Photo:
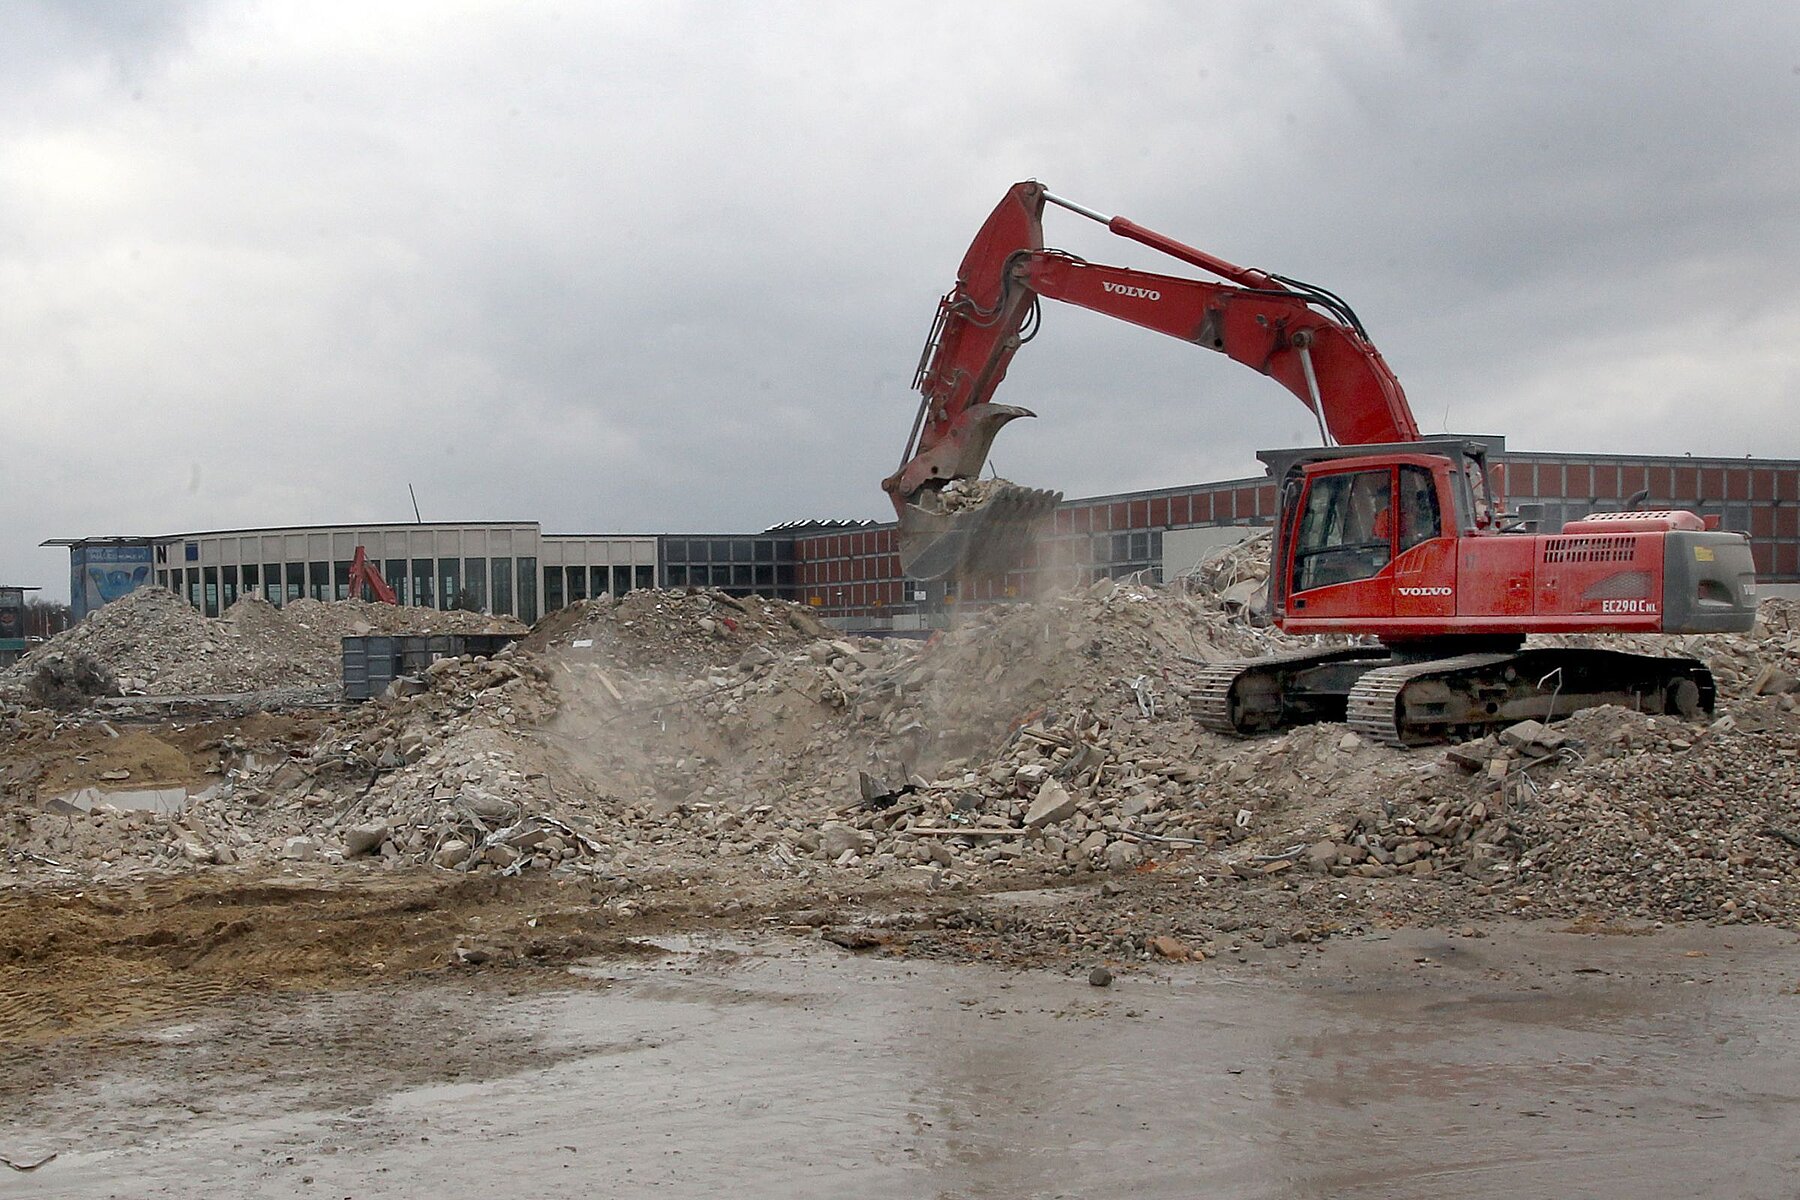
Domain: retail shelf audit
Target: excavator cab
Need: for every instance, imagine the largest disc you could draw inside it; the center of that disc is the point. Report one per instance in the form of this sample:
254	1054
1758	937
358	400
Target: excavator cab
1355	519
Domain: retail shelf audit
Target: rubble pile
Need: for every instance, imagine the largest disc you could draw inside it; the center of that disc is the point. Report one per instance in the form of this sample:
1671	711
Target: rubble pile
154	643
765	754
737	740
916	707
1004	662
672	631
1657	818
400	780
963	495
1235	568
962	747
337	619
68	679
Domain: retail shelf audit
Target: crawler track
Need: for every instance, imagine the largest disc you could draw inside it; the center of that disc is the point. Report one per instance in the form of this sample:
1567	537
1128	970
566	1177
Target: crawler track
1427	700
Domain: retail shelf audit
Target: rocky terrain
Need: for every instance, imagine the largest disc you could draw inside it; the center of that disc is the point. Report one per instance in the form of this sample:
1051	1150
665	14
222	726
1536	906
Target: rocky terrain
737	745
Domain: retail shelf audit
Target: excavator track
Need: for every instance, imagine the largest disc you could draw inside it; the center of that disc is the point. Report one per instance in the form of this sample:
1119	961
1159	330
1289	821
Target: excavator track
1431	700
1374	708
1446	699
1256	695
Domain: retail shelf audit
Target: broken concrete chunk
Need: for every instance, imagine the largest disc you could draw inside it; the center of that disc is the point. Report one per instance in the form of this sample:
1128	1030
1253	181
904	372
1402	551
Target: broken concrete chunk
754	657
1532	735
1122	856
1471	756
365	839
1173	949
1053	804
1773	681
836	839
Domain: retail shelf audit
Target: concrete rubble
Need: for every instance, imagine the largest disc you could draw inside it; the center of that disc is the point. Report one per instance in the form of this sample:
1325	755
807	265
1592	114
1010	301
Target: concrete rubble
154	643
698	735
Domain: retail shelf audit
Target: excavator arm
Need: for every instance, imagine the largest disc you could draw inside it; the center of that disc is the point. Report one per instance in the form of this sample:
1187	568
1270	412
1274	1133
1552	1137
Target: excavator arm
1303	337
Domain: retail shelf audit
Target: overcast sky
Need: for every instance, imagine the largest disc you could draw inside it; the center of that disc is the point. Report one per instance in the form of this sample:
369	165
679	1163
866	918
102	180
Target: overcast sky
666	267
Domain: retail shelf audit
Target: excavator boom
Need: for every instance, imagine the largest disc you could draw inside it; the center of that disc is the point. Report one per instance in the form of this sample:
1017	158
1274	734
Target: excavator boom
1301	336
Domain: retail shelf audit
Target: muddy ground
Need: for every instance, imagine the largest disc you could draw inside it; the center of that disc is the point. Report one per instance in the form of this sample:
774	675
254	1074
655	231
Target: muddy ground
687	895
1534	1061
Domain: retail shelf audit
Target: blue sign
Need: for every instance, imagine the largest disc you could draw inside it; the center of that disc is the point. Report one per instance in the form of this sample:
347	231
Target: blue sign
99	574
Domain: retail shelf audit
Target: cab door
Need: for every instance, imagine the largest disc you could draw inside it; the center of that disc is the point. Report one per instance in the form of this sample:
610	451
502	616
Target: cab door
1344	547
1425	564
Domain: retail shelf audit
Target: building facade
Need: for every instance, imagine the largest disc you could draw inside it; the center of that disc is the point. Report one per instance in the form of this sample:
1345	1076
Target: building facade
503	567
850	570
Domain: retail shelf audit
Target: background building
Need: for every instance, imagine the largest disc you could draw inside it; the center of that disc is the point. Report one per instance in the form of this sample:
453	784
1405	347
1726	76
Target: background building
850	570
497	566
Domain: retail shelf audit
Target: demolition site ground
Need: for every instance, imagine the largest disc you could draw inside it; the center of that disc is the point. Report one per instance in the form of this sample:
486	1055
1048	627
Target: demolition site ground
690	891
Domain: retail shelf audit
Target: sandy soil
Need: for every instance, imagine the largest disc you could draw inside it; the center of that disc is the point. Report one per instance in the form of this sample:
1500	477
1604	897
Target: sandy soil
45	759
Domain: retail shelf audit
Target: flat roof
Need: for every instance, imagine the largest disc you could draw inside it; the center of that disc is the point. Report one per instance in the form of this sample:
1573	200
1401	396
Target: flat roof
174	537
95	541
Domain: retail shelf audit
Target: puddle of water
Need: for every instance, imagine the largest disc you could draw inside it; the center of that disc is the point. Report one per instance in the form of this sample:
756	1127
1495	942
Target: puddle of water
713	1065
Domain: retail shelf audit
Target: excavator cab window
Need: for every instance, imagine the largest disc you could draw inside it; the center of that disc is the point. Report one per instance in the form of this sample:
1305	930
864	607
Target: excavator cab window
1481	492
1346	529
1420	517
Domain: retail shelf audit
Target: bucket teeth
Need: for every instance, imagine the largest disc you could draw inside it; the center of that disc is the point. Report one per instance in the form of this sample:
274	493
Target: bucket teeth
990	539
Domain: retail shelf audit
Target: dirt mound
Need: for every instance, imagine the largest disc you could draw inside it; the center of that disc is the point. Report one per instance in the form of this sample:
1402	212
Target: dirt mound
92	960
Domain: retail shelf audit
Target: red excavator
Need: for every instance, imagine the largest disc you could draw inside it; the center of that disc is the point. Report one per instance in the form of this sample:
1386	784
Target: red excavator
1387	534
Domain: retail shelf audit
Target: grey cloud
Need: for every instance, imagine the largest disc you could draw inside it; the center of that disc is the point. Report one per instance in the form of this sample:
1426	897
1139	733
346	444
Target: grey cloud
657	267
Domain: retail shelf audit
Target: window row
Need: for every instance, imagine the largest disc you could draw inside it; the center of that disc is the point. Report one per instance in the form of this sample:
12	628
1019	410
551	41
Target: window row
505	586
568	585
721	550
763	576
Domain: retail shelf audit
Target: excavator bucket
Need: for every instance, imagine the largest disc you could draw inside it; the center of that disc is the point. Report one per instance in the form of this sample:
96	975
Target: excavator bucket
972	528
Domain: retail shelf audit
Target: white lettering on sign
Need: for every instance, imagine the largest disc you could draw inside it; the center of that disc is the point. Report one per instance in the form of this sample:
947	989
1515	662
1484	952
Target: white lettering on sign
1125	289
1427	591
1628	606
